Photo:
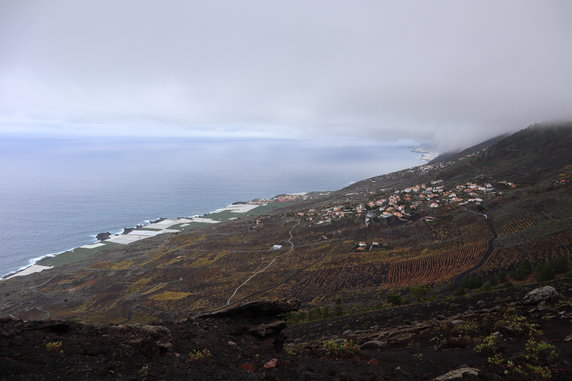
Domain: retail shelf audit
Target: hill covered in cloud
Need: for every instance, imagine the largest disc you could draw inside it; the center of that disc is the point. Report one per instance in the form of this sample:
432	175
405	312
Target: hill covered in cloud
444	73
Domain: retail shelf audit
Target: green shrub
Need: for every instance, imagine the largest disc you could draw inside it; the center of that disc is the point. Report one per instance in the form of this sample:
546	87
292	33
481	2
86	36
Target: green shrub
523	269
489	344
472	282
502	277
535	363
518	325
395	299
560	264
334	348
544	272
486	287
200	354
540	351
419	292
54	346
465	328
338	309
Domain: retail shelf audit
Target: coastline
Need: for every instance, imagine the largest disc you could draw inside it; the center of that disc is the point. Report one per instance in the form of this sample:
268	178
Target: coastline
134	234
153	227
426	154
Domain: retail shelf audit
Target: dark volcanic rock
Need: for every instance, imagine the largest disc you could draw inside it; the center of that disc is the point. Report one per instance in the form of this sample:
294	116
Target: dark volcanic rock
103	236
263	330
129	230
258	309
257	319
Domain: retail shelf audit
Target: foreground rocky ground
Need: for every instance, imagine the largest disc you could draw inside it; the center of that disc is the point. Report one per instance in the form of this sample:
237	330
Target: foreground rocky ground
484	336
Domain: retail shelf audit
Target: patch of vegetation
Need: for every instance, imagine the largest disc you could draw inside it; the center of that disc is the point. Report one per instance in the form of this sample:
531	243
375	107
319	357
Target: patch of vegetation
518	325
489	344
523	269
465	328
335	348
316	314
395	299
138	285
535	362
141	317
54	346
560	264
419	292
472	282
439	342
544	272
540	351
208	259
122	265
338	308
548	270
200	354
169	295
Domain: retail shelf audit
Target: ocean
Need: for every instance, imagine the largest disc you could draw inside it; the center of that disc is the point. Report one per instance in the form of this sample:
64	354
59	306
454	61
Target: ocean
58	193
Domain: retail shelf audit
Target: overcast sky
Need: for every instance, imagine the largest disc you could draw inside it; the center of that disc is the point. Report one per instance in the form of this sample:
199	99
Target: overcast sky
448	73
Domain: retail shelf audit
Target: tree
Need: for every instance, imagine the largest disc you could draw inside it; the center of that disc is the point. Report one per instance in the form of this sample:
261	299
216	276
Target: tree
419	292
472	282
320	313
326	312
395	299
338	309
312	315
523	269
544	272
487	287
560	264
503	277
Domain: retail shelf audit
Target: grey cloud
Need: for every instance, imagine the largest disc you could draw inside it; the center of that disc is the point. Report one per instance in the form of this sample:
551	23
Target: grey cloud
444	72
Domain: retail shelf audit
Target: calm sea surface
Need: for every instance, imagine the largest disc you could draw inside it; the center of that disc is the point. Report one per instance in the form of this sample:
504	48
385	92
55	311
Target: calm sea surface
56	194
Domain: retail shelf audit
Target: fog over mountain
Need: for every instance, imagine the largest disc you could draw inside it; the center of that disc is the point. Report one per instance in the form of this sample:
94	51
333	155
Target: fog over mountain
447	73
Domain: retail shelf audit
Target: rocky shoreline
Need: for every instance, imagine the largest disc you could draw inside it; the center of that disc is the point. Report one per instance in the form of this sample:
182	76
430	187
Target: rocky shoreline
143	231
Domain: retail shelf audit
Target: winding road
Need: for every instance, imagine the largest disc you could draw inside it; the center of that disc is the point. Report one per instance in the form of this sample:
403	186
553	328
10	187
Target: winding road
292	246
458	279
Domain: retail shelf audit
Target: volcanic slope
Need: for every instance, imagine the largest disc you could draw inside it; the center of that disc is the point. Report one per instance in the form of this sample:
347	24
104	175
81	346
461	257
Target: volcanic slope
480	213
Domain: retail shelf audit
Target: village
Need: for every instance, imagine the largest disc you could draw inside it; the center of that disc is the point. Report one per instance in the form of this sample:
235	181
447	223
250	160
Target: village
405	205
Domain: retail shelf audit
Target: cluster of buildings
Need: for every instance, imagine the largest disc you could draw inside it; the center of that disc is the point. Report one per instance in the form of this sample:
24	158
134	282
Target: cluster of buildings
280	198
328	214
365	246
401	204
